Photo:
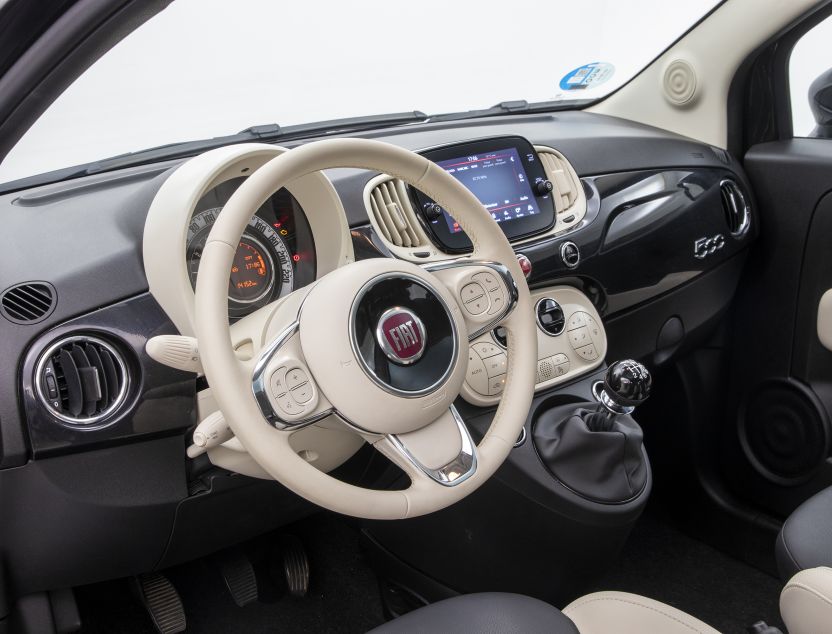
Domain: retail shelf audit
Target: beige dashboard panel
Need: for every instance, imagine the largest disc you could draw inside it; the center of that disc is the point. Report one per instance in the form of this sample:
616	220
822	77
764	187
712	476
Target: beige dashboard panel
166	227
579	349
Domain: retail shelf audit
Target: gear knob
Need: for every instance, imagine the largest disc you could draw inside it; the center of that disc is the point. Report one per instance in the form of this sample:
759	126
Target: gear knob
626	385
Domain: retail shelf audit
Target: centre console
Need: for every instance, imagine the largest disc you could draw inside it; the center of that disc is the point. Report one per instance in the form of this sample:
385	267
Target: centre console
570	342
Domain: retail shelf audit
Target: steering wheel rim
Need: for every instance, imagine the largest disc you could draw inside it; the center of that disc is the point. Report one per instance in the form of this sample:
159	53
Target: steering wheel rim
231	379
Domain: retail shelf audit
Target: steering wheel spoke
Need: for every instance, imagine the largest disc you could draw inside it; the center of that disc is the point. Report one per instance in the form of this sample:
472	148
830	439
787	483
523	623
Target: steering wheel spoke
485	291
442	451
285	390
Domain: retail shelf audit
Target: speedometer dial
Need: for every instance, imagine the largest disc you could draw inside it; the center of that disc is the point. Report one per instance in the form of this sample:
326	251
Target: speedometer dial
262	267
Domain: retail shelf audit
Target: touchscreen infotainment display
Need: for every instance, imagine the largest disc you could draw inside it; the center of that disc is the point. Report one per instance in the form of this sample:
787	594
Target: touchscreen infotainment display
498	180
505	174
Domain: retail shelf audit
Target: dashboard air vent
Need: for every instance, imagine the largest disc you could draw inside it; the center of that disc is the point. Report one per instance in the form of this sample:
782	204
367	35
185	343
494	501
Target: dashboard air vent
81	379
28	303
567	185
393	214
735	208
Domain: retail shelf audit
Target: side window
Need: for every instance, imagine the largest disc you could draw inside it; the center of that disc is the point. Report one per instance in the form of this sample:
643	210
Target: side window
810	80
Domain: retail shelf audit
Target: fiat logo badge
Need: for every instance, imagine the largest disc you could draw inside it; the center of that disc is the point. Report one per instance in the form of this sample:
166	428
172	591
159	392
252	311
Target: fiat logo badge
401	335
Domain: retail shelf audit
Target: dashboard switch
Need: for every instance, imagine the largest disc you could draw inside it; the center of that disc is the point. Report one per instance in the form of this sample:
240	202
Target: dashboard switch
570	254
477	376
525	264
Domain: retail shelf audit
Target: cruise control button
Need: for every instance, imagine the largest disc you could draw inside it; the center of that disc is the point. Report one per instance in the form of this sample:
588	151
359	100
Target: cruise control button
589	353
488	280
477	377
577	320
579	337
496	385
485	349
471	291
295	377
495	366
477	306
303	393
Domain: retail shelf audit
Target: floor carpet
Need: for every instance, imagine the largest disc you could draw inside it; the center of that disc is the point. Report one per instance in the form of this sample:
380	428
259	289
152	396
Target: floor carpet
663	563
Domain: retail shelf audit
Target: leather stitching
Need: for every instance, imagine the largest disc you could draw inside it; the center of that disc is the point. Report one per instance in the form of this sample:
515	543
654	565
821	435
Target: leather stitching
692	628
810	590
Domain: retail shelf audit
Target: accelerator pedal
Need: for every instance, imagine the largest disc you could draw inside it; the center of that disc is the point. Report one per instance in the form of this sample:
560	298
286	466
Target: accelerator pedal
239	577
162	602
295	566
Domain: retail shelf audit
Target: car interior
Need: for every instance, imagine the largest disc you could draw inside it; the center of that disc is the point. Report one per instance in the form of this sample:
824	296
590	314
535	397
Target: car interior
542	366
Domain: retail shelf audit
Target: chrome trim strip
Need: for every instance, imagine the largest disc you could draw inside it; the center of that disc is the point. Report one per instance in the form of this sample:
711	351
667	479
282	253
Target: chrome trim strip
258	385
501	270
357	353
607	403
457	470
92	422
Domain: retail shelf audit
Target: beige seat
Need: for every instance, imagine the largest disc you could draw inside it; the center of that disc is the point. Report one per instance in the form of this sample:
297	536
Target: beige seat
625	613
805	605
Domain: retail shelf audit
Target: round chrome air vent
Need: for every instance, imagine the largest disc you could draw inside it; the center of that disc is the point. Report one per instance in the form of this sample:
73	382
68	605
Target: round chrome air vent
735	208
82	380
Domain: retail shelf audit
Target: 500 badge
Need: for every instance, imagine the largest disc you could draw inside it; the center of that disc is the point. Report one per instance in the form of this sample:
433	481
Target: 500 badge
704	247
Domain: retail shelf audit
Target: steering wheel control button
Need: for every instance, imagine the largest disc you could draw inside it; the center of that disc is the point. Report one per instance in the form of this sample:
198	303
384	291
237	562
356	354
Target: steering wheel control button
496	385
495	366
477	306
278	382
477	376
401	335
550	316
485	349
570	254
498	300
303	393
471	291
488	280
587	353
295	377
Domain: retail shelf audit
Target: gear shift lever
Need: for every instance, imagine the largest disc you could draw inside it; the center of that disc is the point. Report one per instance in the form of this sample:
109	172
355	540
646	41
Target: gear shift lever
626	385
597	451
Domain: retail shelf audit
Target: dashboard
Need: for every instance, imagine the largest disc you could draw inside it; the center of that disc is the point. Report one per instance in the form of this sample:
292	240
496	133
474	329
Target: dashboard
631	250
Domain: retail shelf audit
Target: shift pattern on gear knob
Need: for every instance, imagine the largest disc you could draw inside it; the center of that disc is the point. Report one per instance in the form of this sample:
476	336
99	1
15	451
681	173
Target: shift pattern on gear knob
626	385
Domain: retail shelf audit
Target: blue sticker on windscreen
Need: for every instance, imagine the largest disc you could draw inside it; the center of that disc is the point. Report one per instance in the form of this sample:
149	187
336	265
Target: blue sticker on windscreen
587	76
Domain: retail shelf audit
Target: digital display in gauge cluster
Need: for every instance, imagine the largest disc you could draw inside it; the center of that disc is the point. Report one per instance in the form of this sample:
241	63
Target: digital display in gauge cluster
276	253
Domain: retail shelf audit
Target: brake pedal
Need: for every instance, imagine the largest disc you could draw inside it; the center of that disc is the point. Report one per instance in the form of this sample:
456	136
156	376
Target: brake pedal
239	577
162	602
295	566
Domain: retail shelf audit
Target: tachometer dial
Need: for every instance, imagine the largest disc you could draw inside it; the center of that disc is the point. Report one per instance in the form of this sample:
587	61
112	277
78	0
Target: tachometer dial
262	267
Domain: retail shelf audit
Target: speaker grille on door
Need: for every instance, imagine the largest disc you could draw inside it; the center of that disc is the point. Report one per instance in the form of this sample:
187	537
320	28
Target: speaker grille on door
81	379
784	431
28	303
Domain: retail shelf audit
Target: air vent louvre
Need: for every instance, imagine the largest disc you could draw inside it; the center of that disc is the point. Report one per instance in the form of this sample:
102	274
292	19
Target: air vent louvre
566	183
81	379
28	303
394	214
735	207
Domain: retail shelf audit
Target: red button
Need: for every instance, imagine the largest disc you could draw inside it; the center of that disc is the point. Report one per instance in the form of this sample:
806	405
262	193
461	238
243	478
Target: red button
525	264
